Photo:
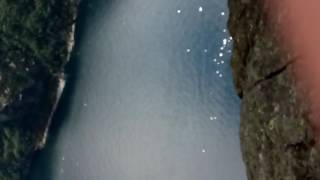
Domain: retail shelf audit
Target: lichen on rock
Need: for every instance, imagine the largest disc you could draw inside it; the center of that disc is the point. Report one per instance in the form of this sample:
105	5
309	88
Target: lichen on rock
276	140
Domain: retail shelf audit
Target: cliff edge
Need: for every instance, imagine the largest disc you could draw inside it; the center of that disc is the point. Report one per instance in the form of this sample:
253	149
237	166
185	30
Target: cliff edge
36	38
275	139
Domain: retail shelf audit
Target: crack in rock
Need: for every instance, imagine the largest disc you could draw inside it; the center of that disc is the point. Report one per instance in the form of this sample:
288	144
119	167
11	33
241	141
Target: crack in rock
273	74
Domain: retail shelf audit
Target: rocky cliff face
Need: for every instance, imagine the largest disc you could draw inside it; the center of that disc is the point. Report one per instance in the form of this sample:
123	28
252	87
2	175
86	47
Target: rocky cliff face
34	47
275	138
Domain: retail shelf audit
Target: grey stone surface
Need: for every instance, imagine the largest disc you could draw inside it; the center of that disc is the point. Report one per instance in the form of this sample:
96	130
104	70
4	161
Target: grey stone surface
276	141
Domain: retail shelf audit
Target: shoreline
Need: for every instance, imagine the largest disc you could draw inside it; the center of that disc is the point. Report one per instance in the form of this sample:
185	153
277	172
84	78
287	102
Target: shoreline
62	80
38	41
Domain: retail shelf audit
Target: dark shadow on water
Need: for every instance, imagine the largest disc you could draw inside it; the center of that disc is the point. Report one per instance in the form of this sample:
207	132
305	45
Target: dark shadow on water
44	166
44	161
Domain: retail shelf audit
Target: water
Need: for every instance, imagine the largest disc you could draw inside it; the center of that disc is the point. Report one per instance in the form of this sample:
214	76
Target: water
150	96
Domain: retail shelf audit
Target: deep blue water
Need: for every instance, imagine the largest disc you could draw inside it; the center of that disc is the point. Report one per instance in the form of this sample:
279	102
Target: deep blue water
149	97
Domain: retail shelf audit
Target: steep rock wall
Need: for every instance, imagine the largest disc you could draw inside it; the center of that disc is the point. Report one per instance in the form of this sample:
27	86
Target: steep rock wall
275	138
35	39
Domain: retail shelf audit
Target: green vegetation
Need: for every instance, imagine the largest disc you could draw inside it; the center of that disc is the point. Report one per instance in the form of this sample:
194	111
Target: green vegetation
34	37
32	32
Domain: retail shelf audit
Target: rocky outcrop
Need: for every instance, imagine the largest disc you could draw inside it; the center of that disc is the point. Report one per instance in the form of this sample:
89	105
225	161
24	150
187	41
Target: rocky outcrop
35	45
276	140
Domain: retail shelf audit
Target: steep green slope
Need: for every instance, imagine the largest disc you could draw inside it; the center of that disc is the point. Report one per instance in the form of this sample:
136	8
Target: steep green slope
35	41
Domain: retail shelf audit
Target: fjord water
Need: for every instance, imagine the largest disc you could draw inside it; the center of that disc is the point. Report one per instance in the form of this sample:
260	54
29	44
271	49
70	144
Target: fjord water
151	96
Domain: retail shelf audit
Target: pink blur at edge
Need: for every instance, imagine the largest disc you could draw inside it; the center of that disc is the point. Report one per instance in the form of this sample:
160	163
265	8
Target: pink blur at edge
299	29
